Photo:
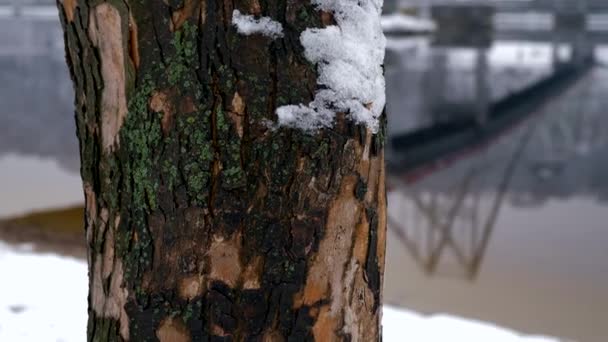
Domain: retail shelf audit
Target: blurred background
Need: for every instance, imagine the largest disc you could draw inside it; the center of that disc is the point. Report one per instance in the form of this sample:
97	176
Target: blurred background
497	155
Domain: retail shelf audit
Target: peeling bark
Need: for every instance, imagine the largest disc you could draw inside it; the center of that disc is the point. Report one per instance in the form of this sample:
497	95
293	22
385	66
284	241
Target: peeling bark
202	223
106	34
133	42
69	6
186	11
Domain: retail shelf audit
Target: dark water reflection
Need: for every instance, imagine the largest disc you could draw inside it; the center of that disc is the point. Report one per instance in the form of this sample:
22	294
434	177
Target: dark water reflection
511	228
38	150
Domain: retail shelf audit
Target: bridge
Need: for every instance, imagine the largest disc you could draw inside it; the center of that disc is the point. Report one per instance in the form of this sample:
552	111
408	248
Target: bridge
30	28
515	6
518	6
450	213
31	52
541	18
424	150
37	97
424	153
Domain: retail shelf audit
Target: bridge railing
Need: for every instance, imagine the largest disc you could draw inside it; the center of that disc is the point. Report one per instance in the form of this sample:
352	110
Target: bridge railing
519	5
29	10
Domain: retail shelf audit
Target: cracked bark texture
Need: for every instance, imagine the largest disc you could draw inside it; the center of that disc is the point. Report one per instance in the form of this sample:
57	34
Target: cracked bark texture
202	223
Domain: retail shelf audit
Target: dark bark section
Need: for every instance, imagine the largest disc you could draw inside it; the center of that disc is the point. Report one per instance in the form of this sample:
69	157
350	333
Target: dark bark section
203	224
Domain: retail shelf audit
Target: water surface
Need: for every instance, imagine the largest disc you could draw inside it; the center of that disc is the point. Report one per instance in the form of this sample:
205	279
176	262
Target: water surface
512	230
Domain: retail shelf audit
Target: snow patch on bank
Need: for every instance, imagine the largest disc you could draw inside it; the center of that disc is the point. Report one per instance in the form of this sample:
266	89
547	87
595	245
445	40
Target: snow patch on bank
43	297
49	293
248	25
349	58
405	325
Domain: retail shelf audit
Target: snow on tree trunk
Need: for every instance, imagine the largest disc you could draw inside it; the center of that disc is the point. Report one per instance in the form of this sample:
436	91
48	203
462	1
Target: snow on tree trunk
206	218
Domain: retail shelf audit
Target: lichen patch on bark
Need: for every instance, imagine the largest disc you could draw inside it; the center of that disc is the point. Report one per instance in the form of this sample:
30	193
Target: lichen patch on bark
106	34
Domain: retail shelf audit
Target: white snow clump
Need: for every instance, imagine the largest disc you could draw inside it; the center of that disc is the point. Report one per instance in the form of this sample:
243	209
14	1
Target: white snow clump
349	58
248	25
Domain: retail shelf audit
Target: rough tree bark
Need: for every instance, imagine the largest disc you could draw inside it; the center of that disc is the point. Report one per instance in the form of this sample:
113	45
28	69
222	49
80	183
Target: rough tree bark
203	223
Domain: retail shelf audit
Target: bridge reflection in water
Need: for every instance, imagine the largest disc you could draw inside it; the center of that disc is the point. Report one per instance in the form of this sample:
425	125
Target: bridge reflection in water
497	193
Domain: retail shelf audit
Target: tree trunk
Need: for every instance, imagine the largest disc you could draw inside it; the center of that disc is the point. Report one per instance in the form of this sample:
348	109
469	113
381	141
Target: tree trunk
205	222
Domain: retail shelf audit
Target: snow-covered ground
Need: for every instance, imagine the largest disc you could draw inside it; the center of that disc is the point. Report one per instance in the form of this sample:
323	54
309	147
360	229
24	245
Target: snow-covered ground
43	298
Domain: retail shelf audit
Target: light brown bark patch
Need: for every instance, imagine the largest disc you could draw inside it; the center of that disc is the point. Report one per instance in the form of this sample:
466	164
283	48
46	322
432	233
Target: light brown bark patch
223	256
112	303
327	19
106	267
182	14
237	113
108	254
361	240
203	12
187	105
254	7
160	102
105	32
216	330
69	7
90	210
364	151
238	105
373	184
382	224
360	321
334	249
190	287
325	326
133	42
251	275
272	336
173	330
